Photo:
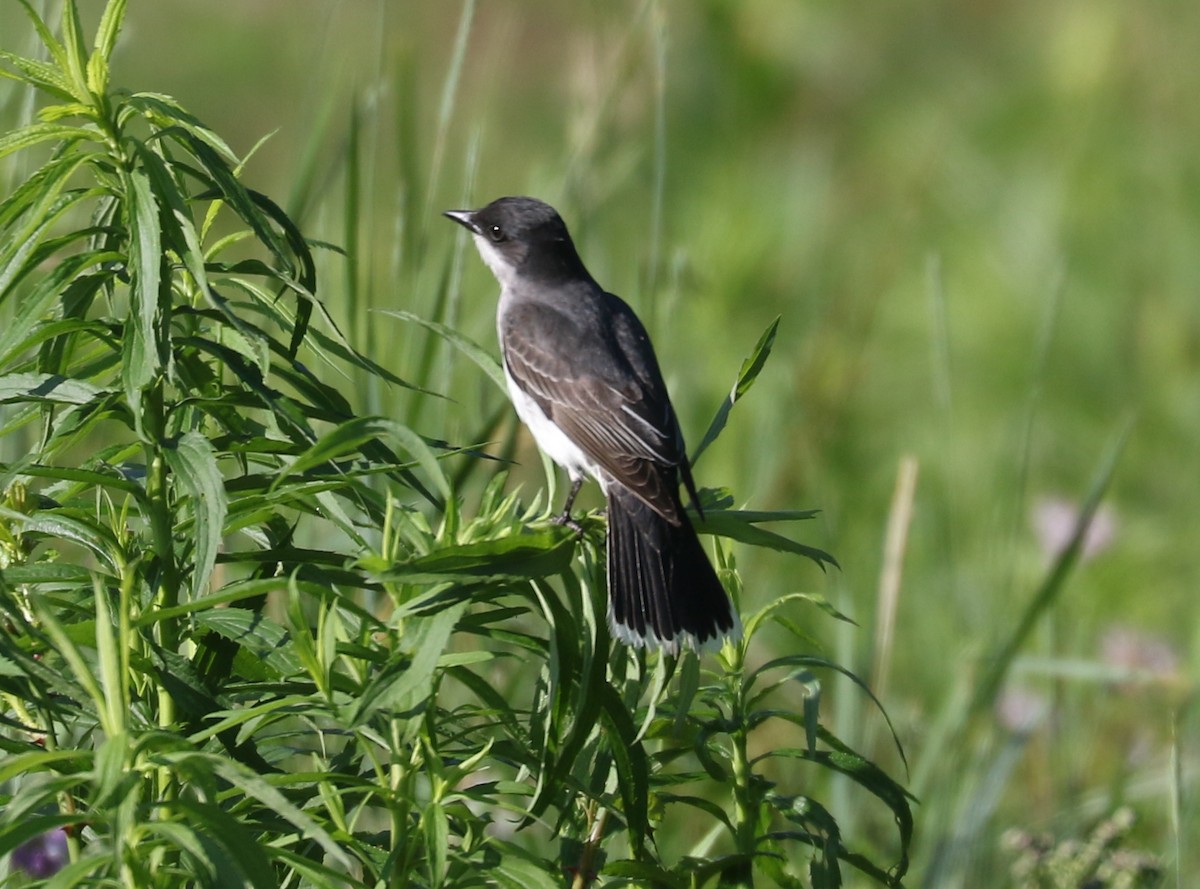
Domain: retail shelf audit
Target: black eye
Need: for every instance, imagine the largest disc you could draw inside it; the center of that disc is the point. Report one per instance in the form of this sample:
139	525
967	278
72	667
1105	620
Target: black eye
496	233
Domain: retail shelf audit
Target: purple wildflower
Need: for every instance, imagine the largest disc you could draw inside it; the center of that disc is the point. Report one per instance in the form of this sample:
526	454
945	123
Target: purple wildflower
44	855
1054	519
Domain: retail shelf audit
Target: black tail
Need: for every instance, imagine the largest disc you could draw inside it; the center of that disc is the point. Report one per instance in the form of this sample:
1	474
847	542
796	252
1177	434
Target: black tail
662	591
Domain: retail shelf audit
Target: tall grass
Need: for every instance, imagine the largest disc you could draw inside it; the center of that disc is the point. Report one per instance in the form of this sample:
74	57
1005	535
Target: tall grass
255	636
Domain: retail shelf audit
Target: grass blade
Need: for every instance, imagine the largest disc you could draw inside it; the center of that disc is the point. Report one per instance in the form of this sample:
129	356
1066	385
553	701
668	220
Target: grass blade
467	346
748	373
1050	589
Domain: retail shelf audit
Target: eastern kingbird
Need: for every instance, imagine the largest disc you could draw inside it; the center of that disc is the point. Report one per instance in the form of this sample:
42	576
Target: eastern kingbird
583	377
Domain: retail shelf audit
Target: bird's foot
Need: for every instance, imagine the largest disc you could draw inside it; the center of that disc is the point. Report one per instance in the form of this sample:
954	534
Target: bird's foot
565	519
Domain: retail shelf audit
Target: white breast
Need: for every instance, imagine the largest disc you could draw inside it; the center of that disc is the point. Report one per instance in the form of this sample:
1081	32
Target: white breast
550	439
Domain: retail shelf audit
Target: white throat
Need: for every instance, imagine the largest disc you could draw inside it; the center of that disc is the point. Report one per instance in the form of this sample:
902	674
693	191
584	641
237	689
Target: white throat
495	260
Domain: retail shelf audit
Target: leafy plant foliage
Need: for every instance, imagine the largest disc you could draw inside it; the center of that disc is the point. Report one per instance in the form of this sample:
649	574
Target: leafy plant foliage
251	638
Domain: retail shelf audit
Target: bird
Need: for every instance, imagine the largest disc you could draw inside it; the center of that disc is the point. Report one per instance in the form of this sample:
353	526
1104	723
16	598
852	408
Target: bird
583	376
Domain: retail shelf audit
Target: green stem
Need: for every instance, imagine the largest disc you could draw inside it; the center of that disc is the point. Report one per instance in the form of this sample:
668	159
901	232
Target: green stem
745	812
596	820
402	787
166	594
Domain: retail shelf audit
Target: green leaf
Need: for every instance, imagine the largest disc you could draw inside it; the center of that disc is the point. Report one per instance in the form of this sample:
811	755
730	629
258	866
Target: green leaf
194	461
237	853
819	830
38	74
467	346
645	873
225	182
41	132
166	113
749	372
347	438
64	283
755	516
34	199
873	779
325	343
758	617
305	286
263	641
47	572
106	39
407	681
519	556
704	805
730	524
520	869
203	852
75	54
143	355
111	774
112	654
799	664
633	767
42	760
113	479
227	719
179	230
436	828
70	652
257	787
73	525
23	248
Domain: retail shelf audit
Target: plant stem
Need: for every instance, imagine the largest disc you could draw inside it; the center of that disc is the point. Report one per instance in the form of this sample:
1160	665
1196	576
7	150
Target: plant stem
166	594
745	813
584	876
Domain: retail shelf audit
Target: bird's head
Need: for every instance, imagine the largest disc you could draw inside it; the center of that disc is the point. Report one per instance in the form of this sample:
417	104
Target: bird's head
520	234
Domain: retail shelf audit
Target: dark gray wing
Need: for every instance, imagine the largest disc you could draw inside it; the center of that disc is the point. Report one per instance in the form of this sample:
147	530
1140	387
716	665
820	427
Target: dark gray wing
594	374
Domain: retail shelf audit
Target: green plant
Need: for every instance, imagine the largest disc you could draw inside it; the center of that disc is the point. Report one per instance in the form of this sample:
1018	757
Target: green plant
251	638
1103	861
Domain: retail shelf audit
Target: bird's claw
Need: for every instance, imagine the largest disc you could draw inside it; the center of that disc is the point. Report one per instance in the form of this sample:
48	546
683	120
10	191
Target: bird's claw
566	520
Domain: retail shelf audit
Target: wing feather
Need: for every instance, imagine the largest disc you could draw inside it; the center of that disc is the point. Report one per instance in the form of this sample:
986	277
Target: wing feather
605	391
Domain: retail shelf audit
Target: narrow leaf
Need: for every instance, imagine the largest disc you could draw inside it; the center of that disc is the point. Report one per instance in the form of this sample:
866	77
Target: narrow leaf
749	372
143	355
37	192
56	50
522	556
71	525
240	859
38	74
1052	586
262	640
166	113
727	523
464	344
350	435
194	461
40	132
633	768
407	681
437	839
74	52
106	39
65	282
47	387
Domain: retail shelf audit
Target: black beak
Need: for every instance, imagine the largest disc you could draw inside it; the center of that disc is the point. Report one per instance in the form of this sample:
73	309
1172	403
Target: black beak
465	218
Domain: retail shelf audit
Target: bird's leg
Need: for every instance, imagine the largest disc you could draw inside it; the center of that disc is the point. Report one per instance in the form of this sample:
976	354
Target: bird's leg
564	518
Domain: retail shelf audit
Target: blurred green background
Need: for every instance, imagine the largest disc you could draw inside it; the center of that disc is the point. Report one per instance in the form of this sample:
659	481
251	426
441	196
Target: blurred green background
980	222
